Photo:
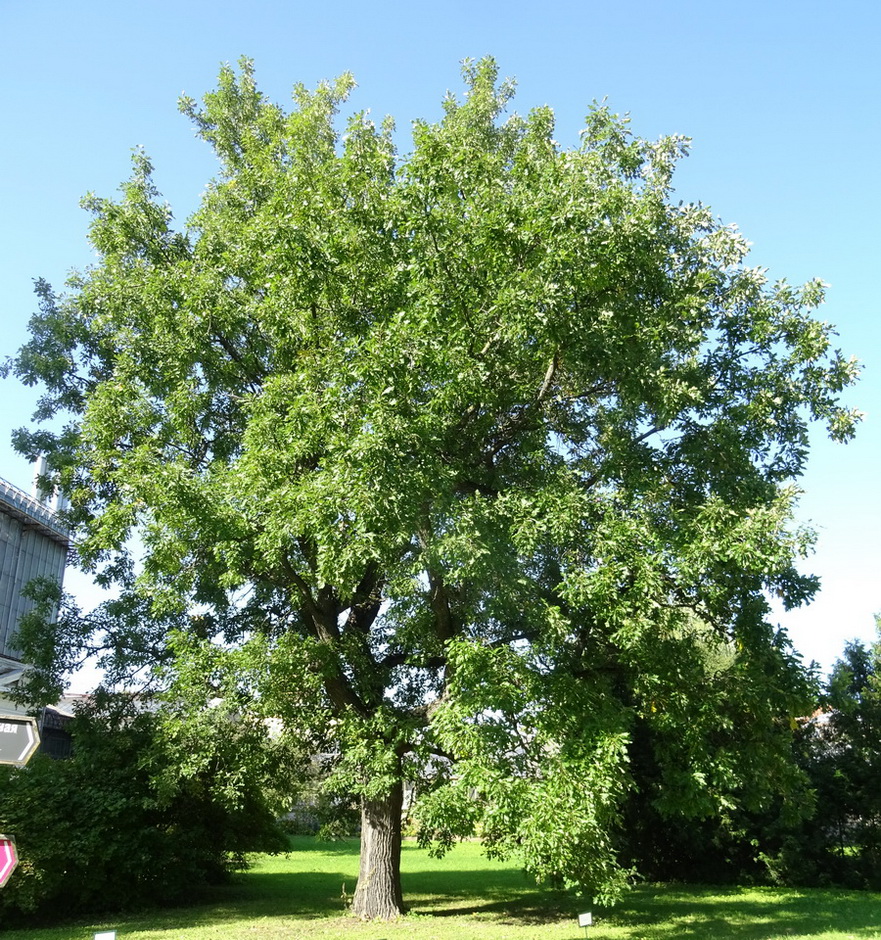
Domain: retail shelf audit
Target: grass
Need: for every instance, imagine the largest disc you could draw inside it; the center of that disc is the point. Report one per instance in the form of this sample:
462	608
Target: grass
466	897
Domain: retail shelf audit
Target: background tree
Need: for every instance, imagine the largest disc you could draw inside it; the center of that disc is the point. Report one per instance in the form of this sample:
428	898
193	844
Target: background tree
670	835
457	444
853	736
840	750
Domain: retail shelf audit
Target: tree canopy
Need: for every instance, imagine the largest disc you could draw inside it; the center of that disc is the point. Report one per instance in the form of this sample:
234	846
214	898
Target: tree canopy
470	462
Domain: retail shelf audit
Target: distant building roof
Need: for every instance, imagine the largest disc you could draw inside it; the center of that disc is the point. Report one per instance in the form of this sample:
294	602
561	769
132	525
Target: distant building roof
31	512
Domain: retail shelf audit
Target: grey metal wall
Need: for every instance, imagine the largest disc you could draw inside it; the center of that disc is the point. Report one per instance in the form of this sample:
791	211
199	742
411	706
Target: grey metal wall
32	544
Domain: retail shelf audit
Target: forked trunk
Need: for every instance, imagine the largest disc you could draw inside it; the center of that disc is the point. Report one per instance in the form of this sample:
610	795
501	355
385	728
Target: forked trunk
378	893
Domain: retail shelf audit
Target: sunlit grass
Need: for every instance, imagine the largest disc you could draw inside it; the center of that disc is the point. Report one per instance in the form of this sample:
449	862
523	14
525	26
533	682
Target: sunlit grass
467	897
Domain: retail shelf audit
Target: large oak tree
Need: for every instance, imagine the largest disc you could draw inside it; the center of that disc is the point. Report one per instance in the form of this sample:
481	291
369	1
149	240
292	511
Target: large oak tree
476	460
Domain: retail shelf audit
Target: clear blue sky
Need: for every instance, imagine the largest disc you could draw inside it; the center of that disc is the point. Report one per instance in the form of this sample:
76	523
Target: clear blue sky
780	98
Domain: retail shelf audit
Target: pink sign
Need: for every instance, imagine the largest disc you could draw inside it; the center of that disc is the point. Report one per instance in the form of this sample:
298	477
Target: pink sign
8	859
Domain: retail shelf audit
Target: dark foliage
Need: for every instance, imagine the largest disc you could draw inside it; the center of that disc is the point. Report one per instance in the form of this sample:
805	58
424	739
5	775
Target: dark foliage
97	833
840	749
826	832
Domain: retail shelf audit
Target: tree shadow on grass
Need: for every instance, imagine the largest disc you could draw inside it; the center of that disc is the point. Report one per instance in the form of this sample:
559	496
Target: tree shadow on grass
248	897
652	912
313	895
522	911
507	895
746	914
306	894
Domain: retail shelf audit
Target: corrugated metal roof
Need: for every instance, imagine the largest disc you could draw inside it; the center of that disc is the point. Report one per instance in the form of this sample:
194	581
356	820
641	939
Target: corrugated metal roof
31	512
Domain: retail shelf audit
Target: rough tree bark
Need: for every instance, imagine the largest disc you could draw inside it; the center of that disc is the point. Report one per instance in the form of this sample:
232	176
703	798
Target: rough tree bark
378	894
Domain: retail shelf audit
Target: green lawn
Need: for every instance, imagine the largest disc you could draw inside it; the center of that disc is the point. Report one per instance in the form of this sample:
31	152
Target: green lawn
466	897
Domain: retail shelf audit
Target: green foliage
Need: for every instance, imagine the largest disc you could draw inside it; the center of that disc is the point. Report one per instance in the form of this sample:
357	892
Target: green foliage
123	824
449	451
827	830
839	750
708	816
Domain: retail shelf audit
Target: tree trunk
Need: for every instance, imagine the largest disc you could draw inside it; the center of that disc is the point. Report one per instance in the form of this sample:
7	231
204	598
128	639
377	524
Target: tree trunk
378	894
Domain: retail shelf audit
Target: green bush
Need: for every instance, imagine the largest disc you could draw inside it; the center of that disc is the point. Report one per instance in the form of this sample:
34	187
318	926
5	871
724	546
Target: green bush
119	825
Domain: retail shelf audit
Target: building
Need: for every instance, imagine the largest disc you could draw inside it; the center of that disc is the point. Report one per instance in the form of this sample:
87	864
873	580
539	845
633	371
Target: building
33	544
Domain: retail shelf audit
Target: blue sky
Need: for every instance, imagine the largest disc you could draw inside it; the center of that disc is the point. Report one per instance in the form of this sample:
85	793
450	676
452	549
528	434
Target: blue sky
780	98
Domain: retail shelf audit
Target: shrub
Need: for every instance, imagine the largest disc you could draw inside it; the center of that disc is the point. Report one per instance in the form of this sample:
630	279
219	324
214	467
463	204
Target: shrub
118	825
